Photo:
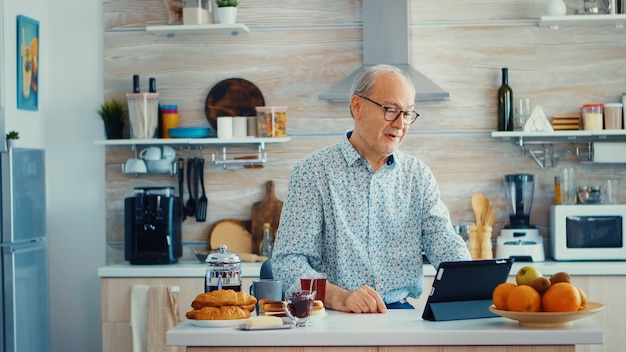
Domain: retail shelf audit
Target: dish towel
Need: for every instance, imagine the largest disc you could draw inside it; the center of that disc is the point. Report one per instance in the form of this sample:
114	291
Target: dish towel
163	315
139	315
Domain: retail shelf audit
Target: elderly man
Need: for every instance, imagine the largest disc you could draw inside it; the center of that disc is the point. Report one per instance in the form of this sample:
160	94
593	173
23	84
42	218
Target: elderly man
362	211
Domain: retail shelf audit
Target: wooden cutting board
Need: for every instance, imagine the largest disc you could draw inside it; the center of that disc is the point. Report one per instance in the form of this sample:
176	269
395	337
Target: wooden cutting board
233	233
266	210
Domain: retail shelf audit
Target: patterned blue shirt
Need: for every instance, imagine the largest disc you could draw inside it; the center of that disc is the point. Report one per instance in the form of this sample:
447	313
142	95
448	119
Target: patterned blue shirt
362	227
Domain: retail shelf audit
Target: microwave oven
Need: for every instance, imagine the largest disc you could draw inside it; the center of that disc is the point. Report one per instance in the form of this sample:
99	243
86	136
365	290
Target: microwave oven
588	232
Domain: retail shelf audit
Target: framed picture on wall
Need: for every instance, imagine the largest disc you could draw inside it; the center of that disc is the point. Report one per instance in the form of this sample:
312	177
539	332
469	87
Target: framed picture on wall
27	63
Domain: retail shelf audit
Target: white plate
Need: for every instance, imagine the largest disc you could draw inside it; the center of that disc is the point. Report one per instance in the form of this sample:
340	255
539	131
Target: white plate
317	317
216	323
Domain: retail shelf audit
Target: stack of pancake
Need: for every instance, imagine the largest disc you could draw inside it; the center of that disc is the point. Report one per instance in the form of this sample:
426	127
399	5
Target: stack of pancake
270	307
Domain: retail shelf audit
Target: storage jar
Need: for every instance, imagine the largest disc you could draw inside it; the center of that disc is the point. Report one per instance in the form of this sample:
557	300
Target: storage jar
196	12
592	117
613	116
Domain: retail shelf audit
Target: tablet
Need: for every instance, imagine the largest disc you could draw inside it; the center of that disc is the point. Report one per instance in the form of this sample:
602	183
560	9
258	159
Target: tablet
462	290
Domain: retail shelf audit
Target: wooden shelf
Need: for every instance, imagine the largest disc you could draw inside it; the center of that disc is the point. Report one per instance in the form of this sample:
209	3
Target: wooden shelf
555	22
174	30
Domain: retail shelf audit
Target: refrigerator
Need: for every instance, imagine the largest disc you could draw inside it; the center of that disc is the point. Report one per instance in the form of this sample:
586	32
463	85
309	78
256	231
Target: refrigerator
24	293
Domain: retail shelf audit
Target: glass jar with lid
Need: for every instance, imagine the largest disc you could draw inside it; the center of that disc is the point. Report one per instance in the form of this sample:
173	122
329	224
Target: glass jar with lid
592	117
197	12
223	271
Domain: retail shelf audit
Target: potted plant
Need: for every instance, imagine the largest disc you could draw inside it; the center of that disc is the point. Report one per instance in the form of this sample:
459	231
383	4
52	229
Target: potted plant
11	137
227	11
113	113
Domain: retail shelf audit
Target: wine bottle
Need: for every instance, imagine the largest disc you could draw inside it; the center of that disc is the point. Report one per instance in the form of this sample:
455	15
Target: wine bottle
505	103
136	84
153	89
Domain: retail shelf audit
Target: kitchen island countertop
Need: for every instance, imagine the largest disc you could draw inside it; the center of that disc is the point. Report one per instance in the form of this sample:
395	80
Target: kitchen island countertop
196	269
395	328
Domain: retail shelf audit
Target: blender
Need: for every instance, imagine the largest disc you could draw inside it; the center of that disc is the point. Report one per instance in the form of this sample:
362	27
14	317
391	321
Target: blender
519	239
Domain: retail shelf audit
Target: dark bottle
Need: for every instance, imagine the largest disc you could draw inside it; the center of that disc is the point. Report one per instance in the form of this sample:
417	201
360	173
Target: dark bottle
153	89
505	103
136	84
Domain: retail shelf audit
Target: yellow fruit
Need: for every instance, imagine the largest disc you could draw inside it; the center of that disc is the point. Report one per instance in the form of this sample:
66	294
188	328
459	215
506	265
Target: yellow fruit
500	293
561	297
523	298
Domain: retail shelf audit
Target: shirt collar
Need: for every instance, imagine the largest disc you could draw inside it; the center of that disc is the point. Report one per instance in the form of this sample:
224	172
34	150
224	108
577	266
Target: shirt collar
351	155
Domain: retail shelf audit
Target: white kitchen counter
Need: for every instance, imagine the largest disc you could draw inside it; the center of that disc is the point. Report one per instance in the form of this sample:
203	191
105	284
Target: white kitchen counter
395	328
196	269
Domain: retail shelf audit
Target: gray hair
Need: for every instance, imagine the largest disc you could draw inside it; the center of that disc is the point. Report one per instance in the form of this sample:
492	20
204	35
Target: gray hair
366	79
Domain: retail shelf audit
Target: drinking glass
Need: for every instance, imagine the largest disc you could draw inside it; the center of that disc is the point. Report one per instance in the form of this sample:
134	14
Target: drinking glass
521	110
314	282
568	185
299	307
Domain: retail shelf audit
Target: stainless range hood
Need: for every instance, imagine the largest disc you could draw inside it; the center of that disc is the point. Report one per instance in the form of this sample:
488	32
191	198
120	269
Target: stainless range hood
386	41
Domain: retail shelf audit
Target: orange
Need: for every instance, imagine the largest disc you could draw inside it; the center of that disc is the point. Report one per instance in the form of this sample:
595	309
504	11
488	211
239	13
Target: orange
583	299
500	293
523	298
561	297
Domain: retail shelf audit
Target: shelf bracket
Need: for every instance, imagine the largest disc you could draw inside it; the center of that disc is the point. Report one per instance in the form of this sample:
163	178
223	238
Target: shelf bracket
246	161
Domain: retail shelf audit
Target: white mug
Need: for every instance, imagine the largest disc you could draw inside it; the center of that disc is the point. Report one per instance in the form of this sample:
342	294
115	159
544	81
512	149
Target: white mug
151	153
168	153
135	166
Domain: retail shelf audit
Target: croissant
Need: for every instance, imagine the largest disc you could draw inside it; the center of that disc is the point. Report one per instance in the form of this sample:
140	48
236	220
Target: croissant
220	313
221	298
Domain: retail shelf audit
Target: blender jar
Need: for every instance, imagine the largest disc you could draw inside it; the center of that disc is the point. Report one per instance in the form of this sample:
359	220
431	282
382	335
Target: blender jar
223	271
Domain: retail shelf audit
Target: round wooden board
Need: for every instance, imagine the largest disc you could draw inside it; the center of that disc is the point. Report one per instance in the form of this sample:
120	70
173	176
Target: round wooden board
233	234
232	97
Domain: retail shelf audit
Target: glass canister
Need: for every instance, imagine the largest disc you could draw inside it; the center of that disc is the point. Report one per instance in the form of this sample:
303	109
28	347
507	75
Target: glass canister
197	12
223	271
592	117
613	116
271	121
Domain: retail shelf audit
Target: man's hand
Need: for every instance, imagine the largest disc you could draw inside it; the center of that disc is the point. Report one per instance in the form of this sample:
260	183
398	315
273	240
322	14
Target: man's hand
362	300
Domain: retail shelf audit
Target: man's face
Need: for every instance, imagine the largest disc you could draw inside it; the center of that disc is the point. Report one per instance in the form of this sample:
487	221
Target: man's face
381	137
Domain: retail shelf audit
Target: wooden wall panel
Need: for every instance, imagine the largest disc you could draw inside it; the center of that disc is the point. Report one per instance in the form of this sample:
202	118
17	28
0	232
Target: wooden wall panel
296	50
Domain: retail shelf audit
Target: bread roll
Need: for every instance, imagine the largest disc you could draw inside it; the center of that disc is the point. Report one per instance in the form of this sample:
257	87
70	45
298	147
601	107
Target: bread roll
220	313
221	298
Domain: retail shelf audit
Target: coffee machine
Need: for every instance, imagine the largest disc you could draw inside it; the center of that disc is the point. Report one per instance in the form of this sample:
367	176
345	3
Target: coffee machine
152	226
519	239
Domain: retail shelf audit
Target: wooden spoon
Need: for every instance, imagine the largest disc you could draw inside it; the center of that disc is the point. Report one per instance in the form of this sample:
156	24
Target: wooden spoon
478	205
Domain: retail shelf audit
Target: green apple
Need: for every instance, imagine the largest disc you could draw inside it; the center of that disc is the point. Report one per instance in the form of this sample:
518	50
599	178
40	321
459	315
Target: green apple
526	274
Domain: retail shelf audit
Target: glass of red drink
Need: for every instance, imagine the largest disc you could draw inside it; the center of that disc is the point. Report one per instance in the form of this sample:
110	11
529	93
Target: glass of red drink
314	282
299	307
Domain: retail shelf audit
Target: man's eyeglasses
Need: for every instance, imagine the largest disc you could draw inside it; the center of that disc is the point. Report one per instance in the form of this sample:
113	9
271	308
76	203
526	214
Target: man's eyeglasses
391	114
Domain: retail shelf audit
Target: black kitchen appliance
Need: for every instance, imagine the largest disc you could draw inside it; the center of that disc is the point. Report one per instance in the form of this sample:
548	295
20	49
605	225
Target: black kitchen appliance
152	226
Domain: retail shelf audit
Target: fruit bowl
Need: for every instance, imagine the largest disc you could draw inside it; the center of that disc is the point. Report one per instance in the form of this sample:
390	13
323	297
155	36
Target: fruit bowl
548	319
